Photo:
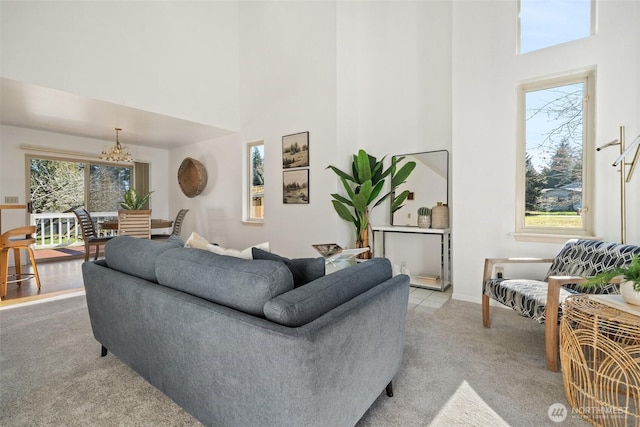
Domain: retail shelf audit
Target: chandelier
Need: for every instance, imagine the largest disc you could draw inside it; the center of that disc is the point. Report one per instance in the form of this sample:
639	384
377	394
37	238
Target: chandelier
117	153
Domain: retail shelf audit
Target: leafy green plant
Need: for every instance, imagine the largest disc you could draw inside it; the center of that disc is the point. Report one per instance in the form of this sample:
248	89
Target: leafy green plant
363	187
630	272
424	211
133	201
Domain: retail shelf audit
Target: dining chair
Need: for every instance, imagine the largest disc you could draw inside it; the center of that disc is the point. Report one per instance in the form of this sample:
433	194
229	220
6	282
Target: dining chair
177	226
16	239
135	223
89	235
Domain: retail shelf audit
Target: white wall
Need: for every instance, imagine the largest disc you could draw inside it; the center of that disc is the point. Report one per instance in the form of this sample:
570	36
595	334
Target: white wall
394	95
14	171
177	58
353	74
486	72
287	70
394	76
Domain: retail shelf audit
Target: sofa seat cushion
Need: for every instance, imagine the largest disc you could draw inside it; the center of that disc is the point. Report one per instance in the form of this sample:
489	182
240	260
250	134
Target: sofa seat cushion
304	270
244	285
527	297
306	303
136	256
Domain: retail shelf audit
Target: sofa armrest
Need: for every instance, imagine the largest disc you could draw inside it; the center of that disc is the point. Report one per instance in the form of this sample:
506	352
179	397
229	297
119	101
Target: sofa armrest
490	262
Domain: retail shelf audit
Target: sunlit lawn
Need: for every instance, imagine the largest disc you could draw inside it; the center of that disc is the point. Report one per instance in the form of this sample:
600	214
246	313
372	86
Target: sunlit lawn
569	220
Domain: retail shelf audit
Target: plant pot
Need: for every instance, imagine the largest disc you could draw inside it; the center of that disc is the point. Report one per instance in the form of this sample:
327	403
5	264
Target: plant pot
628	293
424	221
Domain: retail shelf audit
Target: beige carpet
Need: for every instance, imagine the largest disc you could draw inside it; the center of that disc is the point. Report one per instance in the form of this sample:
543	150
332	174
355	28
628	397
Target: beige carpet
455	373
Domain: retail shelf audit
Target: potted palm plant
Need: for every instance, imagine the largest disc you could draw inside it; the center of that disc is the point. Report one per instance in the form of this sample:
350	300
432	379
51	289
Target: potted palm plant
363	186
630	284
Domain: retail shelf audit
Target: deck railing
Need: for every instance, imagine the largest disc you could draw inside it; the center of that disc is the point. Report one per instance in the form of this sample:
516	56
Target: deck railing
55	230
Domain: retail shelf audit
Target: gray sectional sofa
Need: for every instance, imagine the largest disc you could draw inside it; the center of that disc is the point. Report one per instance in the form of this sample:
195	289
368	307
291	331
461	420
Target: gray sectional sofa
235	344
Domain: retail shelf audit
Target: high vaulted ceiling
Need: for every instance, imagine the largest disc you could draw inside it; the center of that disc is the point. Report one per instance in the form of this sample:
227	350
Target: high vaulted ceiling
36	107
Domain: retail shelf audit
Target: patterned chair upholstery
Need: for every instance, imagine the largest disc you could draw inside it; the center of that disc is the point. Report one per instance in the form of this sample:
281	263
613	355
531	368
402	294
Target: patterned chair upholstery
542	299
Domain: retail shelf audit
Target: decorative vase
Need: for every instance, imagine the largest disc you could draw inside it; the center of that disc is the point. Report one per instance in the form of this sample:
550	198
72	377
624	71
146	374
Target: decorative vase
424	221
440	216
629	293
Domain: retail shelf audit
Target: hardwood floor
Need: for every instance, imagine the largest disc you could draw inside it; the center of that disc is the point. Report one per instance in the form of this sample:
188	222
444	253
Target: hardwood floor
58	277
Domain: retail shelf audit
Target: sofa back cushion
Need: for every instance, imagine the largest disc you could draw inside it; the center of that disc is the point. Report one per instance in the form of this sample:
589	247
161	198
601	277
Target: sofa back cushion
244	285
306	303
586	258
135	256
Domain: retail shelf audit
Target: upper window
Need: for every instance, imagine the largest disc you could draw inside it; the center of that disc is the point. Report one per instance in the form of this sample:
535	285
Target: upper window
545	23
555	156
254	186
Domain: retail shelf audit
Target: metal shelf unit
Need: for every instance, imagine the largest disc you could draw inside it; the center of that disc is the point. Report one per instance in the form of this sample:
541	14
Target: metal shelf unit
445	252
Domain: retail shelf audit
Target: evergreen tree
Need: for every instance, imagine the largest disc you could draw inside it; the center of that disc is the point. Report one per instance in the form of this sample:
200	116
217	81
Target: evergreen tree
258	167
108	185
535	182
561	169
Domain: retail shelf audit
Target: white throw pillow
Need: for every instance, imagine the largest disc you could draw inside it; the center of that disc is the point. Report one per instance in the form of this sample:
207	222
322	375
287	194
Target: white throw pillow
196	241
245	253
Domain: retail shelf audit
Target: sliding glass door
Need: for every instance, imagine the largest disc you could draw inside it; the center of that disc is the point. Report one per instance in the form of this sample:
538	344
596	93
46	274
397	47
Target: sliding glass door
58	186
62	185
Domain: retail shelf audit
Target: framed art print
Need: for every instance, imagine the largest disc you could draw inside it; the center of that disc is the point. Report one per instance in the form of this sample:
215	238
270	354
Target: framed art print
295	186
295	150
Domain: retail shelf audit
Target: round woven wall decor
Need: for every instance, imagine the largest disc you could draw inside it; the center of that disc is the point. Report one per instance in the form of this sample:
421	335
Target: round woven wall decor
192	177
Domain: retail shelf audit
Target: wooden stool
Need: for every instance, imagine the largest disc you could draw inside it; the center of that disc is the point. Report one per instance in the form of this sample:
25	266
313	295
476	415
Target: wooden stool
6	244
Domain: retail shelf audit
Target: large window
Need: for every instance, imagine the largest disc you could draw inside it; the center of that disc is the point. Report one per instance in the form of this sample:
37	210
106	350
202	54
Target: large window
254	185
545	23
555	156
62	185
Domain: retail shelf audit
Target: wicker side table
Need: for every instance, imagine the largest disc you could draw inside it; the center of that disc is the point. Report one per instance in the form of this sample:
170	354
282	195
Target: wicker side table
600	356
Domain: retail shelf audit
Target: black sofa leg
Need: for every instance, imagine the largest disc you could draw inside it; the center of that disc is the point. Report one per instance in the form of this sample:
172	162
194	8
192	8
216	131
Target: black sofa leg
104	352
390	389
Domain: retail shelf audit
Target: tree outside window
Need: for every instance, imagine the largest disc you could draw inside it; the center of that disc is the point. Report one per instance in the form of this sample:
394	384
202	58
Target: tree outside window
59	185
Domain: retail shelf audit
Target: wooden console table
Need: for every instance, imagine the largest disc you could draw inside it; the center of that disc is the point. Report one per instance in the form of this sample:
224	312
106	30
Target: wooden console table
600	356
444	281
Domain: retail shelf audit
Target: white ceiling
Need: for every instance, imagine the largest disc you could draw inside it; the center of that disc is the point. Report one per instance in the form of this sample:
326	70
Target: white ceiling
36	107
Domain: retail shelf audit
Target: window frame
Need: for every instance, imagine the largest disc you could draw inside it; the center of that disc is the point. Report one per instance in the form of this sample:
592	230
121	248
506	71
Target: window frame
558	234
247	197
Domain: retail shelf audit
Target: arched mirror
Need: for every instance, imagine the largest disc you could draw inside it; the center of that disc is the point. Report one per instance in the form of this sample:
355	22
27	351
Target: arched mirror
428	184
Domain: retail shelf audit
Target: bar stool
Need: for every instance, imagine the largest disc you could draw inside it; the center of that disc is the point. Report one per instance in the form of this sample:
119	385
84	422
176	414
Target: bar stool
16	239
